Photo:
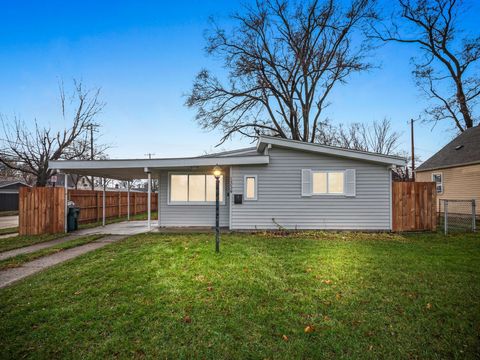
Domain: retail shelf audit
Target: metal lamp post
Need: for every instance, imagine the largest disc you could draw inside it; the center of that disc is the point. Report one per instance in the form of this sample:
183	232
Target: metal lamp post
217	172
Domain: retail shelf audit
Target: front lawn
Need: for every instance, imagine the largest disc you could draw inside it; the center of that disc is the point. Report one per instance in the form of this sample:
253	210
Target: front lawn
307	296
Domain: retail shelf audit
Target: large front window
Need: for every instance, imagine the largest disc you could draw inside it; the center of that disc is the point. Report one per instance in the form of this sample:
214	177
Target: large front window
194	188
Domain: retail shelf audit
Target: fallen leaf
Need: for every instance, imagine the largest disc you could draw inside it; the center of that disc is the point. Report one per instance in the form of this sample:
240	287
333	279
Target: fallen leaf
78	292
187	319
326	318
429	306
210	288
285	337
200	278
309	329
338	296
308	270
328	282
370	348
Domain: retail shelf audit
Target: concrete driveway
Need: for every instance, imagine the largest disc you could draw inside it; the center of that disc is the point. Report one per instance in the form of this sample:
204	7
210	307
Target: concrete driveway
120	228
8	221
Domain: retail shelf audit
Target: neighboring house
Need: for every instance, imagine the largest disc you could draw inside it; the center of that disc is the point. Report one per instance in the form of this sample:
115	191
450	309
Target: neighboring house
58	180
277	184
80	183
9	189
456	168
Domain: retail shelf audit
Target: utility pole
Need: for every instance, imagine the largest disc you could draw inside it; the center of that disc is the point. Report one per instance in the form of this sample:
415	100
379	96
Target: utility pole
92	128
149	155
413	149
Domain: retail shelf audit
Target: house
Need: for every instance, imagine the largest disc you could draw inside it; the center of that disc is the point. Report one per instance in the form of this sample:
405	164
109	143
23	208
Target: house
456	168
9	189
277	184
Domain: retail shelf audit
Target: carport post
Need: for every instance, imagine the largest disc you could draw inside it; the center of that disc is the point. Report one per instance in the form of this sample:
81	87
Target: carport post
128	200
66	202
149	201
158	201
103	202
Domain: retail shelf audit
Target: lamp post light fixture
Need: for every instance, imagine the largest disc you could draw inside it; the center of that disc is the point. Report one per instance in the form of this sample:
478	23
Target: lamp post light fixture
217	172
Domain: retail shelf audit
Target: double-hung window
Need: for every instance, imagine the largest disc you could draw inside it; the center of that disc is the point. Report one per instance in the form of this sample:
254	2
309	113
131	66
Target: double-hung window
438	179
194	189
328	182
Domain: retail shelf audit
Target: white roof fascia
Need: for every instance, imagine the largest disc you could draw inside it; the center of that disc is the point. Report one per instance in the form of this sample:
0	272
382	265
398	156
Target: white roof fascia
263	141
157	163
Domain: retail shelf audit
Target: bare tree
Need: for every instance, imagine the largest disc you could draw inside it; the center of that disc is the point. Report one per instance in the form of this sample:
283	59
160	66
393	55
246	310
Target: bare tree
283	61
377	137
447	70
90	149
29	150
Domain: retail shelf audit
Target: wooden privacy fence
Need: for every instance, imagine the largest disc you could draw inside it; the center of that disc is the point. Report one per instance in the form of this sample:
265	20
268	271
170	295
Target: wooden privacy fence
414	206
116	203
41	210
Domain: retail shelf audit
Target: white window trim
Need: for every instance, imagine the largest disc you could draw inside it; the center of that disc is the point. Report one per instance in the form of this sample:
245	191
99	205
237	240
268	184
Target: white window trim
245	188
194	203
327	193
441	183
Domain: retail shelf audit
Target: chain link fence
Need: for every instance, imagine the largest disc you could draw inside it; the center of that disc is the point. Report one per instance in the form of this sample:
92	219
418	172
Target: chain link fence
457	216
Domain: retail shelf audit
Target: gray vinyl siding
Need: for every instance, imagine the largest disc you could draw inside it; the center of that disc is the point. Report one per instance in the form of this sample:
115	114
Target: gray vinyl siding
189	215
279	195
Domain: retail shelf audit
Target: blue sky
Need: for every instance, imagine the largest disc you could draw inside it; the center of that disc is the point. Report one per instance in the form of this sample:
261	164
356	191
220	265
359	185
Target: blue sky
144	55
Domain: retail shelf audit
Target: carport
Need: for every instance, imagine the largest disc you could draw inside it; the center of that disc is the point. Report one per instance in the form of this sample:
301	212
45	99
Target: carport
136	169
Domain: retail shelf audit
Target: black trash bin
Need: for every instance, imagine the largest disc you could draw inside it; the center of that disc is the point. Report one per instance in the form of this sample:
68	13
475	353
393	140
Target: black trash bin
72	217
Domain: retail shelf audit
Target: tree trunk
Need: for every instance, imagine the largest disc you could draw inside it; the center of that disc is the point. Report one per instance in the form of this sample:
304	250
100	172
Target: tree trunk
462	102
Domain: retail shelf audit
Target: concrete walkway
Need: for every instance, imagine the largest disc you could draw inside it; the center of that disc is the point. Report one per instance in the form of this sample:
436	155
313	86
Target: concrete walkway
8	221
9	276
8	235
122	228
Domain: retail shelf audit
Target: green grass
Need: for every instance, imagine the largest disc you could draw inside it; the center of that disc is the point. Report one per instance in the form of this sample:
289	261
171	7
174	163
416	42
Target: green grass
11	230
170	296
9	213
15	242
19	260
141	216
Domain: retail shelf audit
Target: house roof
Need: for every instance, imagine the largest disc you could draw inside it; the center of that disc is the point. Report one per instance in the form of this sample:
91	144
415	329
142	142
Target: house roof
9	182
249	151
128	169
264	141
463	150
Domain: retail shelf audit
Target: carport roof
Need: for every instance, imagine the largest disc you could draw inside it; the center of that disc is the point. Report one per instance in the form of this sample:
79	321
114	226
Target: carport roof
129	169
